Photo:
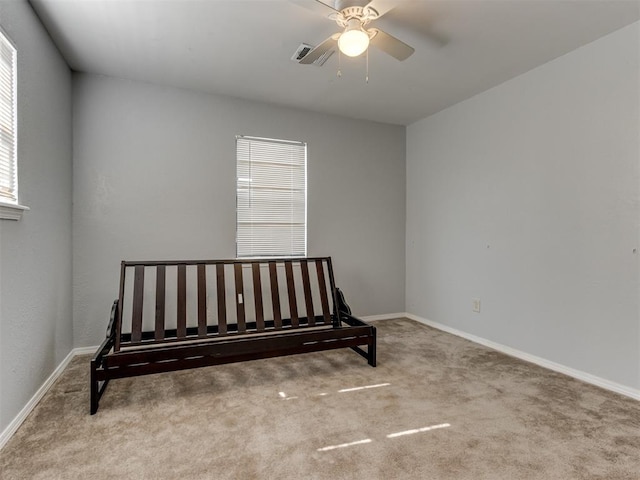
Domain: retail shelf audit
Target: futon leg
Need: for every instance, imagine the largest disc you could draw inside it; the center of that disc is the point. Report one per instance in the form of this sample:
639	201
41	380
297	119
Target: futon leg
96	362
95	391
371	349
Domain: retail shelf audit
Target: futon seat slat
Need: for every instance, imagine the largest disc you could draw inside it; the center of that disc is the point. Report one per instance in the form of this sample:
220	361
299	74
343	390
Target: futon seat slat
170	335
230	345
183	328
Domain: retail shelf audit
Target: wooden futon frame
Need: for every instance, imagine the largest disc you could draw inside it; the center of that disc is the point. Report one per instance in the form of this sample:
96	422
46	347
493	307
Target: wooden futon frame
176	315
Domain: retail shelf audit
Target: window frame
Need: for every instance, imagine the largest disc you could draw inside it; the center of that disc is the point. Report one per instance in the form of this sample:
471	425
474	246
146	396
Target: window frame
10	209
265	254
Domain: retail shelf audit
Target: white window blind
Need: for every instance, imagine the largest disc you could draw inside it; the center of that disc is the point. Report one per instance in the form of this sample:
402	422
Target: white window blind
271	198
8	144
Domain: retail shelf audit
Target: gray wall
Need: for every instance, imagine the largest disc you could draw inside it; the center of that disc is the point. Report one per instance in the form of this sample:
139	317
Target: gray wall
527	196
154	178
35	252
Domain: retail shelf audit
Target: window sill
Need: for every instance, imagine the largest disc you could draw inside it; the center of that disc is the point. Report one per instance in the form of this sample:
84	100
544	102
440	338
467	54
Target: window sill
11	211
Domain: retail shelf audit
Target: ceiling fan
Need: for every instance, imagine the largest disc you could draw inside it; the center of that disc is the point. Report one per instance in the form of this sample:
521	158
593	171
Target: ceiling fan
353	16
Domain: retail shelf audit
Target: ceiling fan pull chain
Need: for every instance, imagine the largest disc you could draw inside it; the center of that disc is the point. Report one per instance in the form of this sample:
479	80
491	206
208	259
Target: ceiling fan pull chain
367	76
339	73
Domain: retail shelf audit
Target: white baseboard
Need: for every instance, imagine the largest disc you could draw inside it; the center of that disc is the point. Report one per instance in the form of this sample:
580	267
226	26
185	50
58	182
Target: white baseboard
384	316
8	432
85	350
556	367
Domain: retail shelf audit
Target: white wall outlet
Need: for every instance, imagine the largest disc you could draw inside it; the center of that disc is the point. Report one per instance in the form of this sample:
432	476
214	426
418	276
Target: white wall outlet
475	305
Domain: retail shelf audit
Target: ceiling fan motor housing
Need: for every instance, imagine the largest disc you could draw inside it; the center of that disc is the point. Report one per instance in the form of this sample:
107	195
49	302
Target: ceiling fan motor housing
342	4
350	9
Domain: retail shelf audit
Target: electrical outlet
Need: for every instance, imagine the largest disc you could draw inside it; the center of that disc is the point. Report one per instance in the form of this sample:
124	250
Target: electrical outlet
475	305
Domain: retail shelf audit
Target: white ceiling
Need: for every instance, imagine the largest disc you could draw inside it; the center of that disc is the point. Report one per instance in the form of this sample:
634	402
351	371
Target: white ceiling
243	48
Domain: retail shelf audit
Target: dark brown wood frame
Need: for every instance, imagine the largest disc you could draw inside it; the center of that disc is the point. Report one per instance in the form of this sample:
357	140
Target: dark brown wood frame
163	350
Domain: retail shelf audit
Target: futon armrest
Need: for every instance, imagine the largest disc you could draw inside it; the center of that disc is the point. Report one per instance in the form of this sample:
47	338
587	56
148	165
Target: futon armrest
343	306
112	319
102	351
351	320
109	340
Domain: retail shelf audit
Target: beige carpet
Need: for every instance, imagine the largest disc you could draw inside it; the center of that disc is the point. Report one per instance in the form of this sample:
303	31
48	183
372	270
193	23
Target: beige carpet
436	407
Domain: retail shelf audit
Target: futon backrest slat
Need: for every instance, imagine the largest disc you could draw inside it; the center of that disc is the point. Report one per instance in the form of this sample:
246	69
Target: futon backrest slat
239	298
291	291
308	301
257	295
222	304
169	301
275	296
160	302
182	302
326	313
202	301
138	292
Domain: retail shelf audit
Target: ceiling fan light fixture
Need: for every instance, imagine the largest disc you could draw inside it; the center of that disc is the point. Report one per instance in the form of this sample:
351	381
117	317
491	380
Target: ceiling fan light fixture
354	40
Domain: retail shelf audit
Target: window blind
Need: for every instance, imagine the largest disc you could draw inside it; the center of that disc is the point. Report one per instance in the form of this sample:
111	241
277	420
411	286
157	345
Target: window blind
8	169
271	199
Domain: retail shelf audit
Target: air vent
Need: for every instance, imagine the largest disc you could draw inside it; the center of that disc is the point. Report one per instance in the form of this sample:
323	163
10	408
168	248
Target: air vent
301	51
304	49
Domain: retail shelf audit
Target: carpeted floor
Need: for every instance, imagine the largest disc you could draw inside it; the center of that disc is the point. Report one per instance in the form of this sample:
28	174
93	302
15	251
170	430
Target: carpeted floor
436	407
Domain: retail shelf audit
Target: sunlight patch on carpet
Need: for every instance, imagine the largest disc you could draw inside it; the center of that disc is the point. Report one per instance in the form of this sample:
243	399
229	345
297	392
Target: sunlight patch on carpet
355	389
418	430
344	445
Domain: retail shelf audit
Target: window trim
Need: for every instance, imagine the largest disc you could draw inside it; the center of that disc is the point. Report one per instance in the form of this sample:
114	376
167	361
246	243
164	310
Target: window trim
10	209
306	192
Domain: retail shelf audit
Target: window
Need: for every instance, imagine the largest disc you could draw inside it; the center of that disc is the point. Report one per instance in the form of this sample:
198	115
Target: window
8	174
9	207
271	198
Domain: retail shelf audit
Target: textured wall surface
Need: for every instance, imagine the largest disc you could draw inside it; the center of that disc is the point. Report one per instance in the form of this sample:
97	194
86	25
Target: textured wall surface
35	252
154	178
527	197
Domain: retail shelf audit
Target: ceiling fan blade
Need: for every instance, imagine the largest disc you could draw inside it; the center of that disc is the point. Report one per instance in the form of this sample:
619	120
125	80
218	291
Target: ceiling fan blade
321	49
382	6
390	44
316	6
